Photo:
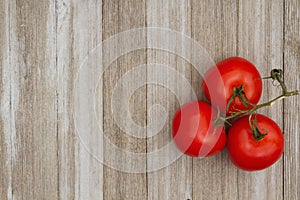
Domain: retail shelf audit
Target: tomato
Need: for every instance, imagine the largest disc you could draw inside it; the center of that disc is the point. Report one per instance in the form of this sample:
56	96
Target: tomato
193	130
219	82
251	154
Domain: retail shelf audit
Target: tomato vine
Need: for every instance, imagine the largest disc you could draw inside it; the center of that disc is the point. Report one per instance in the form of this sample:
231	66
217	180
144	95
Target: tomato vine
275	75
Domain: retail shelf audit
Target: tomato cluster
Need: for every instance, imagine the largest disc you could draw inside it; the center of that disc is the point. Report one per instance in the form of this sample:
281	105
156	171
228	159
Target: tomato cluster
233	87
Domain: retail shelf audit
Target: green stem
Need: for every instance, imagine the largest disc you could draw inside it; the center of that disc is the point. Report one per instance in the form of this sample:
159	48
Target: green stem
276	74
270	103
258	106
257	134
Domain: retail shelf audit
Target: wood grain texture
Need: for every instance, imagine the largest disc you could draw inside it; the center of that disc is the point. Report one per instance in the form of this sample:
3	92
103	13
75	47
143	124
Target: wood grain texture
291	113
32	104
120	16
175	180
65	73
79	31
42	46
214	27
5	144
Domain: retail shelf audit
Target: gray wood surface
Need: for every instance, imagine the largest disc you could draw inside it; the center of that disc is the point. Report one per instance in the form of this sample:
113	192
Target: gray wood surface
43	44
120	16
291	175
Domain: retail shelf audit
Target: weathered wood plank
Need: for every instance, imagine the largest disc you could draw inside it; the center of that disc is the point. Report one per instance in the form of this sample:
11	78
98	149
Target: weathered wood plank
120	16
79	31
66	67
5	142
32	100
260	36
291	105
214	27
175	180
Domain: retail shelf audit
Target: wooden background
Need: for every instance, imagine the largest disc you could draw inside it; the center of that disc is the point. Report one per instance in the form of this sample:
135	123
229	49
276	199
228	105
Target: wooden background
43	42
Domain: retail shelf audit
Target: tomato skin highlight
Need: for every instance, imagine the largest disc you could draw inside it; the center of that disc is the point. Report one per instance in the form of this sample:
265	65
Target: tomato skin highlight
193	132
220	80
250	154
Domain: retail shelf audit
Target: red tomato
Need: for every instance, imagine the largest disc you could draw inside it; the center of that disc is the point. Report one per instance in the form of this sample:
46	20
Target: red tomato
251	154
193	131
219	82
